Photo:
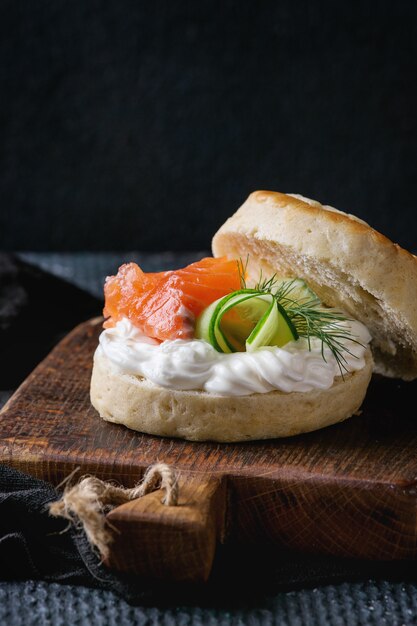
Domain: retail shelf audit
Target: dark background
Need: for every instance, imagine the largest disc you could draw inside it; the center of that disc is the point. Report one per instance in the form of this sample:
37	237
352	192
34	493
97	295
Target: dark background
143	125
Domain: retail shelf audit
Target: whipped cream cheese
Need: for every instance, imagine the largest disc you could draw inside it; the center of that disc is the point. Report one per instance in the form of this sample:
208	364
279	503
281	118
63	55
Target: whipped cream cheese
195	364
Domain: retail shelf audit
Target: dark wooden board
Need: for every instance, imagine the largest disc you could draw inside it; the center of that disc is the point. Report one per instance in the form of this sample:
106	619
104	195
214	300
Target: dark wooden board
349	490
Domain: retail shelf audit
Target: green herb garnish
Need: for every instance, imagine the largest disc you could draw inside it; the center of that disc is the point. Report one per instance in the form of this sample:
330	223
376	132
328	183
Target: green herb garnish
273	312
310	317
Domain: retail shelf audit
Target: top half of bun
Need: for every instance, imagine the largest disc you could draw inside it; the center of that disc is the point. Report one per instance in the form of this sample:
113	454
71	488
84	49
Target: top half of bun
349	265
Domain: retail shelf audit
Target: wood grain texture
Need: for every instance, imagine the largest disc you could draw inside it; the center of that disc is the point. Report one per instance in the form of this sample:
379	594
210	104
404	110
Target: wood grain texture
350	489
170	542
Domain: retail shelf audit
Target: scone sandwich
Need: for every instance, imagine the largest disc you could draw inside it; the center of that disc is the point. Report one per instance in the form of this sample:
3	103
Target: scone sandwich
276	334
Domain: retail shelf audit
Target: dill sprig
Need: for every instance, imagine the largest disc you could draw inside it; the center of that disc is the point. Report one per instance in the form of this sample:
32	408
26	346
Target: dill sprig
242	268
266	285
310	318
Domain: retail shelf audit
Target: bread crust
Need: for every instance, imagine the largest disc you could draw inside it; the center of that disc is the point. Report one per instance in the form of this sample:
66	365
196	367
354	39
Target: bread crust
349	264
199	416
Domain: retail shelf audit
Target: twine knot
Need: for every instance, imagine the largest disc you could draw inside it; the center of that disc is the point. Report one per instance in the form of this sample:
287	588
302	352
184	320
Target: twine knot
85	504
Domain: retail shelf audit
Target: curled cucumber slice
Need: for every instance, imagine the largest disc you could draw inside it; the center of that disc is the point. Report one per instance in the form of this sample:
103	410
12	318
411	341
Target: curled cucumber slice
236	320
273	329
207	324
245	320
297	289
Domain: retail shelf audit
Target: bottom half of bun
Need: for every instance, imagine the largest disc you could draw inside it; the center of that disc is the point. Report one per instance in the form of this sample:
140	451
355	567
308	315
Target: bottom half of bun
200	416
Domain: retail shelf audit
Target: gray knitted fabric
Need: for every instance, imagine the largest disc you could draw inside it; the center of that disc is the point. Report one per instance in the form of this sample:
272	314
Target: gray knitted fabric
38	603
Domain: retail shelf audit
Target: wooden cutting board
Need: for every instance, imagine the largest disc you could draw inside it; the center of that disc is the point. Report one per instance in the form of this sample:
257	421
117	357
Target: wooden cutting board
348	490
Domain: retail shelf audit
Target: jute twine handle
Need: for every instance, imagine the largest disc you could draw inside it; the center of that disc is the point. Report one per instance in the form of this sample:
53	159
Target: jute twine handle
86	503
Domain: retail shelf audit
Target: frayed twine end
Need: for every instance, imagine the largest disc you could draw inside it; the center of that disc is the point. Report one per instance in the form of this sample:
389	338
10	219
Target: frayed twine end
85	504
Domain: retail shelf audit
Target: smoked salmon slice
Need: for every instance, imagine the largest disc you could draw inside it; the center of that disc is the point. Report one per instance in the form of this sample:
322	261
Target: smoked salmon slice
164	305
